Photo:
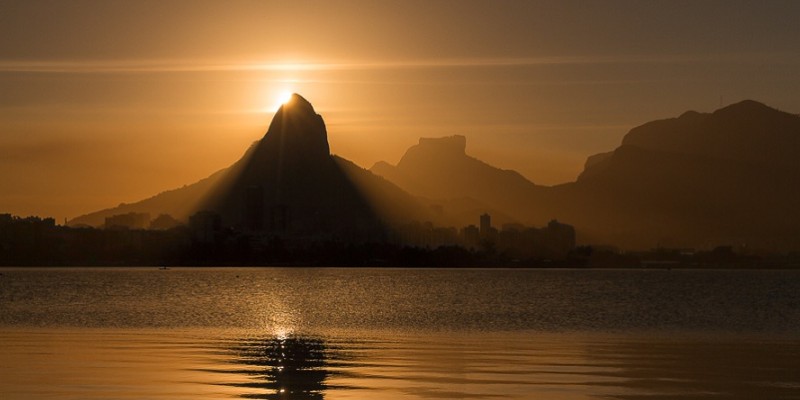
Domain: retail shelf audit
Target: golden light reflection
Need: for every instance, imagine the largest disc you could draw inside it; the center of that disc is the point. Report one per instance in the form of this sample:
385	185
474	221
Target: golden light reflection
279	319
282	332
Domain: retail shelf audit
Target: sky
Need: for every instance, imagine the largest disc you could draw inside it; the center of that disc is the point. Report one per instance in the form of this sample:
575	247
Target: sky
104	102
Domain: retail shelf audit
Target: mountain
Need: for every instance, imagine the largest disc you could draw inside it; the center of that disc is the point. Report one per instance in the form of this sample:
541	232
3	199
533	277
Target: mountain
731	177
288	183
440	169
702	179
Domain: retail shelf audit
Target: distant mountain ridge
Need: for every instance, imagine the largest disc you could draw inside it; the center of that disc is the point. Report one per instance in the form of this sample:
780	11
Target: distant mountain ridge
440	169
747	131
731	177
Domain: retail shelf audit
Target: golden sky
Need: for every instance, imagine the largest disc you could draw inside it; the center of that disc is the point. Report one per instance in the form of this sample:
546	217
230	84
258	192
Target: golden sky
103	102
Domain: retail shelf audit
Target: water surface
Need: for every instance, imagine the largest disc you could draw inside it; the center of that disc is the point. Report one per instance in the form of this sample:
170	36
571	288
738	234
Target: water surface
411	334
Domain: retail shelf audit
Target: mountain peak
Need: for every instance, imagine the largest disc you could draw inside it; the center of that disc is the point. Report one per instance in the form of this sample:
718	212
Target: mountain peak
748	109
428	150
746	105
456	144
297	103
297	129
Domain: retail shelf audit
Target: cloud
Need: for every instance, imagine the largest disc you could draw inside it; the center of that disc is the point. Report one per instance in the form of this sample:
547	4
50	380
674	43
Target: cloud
169	66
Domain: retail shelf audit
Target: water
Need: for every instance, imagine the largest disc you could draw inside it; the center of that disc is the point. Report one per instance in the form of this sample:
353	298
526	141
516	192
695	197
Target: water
270	333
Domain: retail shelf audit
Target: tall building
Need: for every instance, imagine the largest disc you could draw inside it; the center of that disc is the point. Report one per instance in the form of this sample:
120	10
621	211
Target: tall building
486	224
470	235
560	237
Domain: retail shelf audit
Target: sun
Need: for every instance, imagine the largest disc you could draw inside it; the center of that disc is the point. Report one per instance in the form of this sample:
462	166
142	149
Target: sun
284	96
279	99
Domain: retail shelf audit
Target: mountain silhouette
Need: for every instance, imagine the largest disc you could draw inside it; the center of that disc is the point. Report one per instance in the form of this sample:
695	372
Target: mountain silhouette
440	169
288	183
748	132
699	180
731	177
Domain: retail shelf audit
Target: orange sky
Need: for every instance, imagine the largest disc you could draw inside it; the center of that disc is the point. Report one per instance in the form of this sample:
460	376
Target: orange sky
103	102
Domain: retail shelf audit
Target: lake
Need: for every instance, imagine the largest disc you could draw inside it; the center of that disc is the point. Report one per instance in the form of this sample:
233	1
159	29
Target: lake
311	333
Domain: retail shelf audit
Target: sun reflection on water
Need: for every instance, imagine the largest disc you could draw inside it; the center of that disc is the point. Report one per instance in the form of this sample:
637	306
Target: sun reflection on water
281	367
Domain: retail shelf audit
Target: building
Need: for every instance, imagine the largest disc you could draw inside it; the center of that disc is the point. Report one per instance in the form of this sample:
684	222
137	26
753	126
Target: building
486	224
471	235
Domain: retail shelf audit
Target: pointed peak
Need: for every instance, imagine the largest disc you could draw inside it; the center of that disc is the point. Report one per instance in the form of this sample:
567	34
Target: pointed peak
297	129
296	100
295	104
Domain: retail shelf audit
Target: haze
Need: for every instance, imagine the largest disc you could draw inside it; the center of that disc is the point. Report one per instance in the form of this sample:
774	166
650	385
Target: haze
103	102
